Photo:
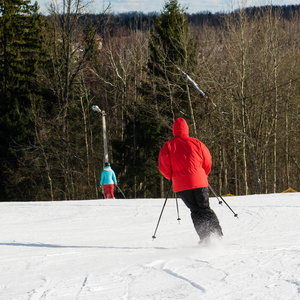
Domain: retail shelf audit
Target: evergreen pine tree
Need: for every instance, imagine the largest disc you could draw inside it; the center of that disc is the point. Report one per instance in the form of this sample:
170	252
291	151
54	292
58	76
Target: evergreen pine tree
20	46
171	48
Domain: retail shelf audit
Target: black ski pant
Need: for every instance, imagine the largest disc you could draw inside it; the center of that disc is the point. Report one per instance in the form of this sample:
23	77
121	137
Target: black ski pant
204	218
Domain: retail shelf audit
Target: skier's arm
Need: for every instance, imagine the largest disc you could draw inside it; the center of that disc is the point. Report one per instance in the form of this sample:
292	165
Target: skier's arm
206	159
102	179
164	162
114	178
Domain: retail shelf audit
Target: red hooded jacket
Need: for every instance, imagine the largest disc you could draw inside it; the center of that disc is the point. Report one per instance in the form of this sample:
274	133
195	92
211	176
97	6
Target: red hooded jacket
184	159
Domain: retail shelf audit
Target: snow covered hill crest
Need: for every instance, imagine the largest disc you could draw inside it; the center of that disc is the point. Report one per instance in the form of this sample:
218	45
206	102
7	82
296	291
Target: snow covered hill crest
103	249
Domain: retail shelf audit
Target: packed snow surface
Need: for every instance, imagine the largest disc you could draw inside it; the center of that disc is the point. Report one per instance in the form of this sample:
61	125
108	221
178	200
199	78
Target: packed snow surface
103	249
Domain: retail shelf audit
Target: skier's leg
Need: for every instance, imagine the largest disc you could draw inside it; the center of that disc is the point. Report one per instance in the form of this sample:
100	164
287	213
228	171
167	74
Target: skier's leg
111	190
206	219
189	200
106	190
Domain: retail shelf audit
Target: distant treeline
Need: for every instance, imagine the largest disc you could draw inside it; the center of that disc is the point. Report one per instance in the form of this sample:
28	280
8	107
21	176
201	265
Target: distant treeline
144	21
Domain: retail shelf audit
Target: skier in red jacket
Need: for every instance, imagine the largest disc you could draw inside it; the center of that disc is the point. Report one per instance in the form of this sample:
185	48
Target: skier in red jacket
187	162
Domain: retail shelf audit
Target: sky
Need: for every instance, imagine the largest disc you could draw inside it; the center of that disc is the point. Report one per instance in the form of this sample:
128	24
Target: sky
103	249
194	6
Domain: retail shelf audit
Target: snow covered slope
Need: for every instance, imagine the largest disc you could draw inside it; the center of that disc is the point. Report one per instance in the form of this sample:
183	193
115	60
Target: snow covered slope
103	249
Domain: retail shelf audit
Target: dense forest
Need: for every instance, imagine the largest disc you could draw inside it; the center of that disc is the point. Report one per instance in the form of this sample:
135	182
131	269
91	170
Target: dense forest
234	77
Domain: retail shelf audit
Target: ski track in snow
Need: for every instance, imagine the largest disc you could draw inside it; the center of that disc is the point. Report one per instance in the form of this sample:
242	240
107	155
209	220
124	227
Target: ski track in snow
102	249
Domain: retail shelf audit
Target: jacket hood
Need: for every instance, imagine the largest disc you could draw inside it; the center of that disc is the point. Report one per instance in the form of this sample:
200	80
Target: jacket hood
180	127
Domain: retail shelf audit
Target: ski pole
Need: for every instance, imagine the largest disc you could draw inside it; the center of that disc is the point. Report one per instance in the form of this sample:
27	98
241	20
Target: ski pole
214	192
121	191
217	195
154	235
178	218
